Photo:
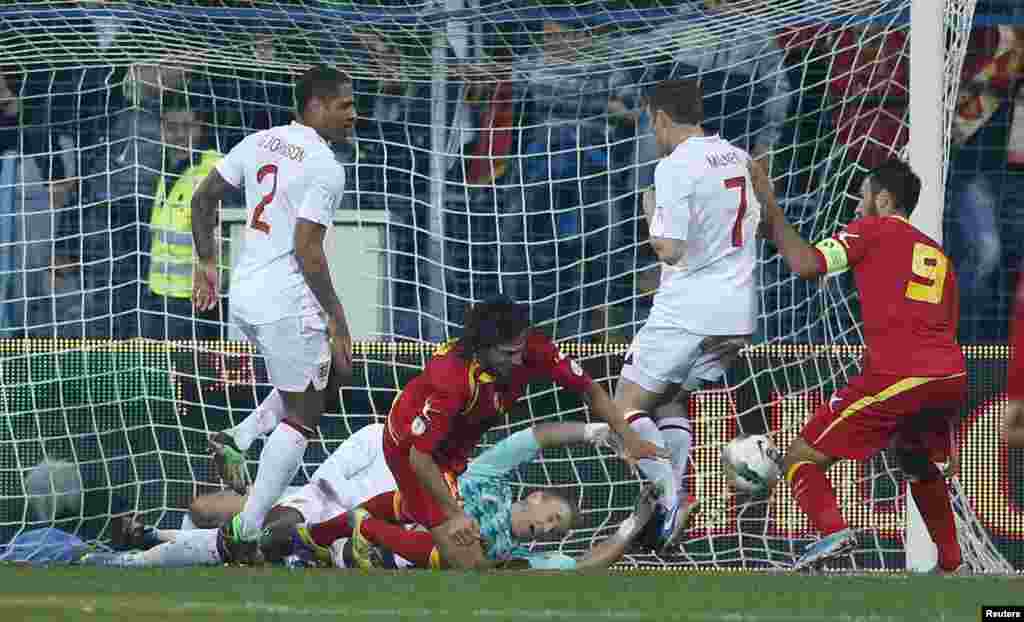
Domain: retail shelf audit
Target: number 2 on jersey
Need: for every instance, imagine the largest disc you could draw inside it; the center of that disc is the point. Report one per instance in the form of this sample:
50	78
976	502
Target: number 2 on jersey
257	224
738	183
930	265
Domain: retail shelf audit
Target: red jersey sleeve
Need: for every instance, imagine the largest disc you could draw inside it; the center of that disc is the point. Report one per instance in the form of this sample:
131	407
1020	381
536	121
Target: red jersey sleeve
1015	375
445	399
845	249
547	361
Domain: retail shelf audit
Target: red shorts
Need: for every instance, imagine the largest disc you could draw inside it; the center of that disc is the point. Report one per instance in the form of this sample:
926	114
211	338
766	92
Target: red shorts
875	412
413	502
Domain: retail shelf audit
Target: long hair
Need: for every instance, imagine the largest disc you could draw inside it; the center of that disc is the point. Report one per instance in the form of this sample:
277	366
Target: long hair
494	321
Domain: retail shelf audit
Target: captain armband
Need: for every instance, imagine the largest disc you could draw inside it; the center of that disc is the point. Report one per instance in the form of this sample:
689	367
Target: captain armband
835	255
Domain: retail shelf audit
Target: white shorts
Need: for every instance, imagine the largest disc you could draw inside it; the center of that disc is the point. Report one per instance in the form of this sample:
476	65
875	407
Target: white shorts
296	349
662	356
312	502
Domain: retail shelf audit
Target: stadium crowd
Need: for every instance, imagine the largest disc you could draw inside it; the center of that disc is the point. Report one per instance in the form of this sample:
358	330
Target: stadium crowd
98	151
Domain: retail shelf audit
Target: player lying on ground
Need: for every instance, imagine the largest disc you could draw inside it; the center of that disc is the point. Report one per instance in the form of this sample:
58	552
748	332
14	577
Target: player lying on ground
440	416
282	297
914	378
353	473
702	220
486	494
1013	418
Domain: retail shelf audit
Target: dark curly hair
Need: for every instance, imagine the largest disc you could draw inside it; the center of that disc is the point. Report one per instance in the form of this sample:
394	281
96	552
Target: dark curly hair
494	321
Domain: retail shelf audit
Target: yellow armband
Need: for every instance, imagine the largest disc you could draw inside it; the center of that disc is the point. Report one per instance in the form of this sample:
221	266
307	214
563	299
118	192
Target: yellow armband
835	255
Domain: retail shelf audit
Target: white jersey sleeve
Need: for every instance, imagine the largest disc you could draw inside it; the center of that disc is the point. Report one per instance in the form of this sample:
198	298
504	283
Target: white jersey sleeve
673	191
231	167
703	189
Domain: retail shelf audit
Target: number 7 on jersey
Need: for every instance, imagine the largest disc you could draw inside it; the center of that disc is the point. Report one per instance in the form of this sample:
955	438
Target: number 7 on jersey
738	183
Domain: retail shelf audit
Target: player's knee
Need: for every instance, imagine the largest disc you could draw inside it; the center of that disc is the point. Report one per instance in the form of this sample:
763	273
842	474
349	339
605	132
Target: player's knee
205	514
916	465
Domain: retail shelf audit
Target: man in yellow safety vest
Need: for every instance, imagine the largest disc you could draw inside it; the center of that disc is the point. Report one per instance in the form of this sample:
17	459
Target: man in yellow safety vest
169	313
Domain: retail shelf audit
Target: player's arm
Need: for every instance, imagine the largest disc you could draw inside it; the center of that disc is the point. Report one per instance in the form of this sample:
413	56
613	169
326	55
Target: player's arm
667	229
223	179
309	253
315	214
802	258
430	476
614	547
544	355
523	446
205	200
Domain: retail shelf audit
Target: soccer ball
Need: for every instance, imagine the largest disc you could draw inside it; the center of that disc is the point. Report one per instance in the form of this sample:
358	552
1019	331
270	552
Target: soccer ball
751	464
54	489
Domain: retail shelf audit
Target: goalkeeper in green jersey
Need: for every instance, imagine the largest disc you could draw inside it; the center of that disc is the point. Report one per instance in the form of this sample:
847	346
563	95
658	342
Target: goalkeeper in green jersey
487	495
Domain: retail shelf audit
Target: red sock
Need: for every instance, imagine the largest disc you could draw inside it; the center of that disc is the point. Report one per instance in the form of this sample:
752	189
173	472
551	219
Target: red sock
816	497
383	506
327	532
932	500
415	546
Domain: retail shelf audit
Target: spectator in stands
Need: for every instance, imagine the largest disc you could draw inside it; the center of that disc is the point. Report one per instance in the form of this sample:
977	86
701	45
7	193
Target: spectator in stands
556	221
119	197
37	177
868	81
979	180
168	312
747	91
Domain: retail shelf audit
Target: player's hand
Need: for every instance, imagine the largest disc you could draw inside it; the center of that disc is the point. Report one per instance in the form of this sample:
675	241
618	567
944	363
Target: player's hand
205	286
464	530
341	346
635	448
1013	423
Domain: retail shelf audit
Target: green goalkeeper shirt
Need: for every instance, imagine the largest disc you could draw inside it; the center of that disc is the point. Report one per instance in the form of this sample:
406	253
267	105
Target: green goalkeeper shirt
486	489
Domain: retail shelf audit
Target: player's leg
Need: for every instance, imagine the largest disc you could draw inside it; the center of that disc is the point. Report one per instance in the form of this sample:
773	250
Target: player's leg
280	459
676	429
857	422
298	363
928	487
213	510
195	547
927	438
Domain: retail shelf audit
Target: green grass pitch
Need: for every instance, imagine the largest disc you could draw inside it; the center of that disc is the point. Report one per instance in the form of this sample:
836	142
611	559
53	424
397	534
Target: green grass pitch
30	594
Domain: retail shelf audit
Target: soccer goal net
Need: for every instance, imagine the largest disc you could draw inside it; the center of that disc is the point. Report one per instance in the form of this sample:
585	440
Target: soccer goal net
501	146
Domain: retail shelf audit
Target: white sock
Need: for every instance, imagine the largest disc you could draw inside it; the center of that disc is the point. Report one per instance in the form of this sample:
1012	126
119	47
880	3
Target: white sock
186	522
197	547
678	438
279	462
263	420
657	471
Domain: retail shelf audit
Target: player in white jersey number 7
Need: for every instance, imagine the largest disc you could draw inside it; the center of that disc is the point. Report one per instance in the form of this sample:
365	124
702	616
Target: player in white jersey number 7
703	217
282	297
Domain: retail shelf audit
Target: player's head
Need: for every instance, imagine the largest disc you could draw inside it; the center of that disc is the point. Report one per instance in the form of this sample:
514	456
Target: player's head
542	514
890	189
676	108
323	99
495	334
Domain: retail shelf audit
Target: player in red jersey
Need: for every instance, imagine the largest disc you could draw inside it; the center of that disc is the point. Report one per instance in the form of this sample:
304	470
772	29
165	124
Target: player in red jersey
441	415
1013	418
914	378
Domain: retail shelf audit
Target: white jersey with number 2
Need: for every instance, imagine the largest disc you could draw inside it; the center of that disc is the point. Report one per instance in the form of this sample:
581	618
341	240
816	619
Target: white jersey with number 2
288	172
704	196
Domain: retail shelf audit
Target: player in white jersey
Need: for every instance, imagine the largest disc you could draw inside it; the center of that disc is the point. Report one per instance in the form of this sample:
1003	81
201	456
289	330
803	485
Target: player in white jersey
281	293
703	217
354	472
